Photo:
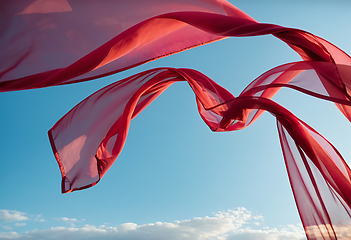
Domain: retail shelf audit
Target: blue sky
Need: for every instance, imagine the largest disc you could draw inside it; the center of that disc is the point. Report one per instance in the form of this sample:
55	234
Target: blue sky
174	179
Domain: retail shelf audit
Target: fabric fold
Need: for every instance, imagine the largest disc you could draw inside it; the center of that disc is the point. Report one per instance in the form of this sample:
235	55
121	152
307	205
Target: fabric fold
72	41
139	38
319	176
60	42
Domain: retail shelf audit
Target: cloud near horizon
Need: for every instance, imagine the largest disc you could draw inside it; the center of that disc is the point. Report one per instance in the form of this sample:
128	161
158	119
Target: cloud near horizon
12	215
228	225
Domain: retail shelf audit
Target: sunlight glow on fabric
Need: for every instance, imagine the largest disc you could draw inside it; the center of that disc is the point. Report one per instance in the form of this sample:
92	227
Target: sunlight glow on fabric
90	137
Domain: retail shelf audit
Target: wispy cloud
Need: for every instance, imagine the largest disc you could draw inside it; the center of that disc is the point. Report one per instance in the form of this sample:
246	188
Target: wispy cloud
228	225
65	219
38	218
12	215
71	221
6	227
20	224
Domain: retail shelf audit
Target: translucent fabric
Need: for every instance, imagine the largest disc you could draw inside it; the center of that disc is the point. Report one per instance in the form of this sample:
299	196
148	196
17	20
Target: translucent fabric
53	42
71	41
89	138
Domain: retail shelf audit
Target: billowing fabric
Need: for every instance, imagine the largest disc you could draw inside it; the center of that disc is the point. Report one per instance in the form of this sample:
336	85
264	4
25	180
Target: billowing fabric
71	41
89	138
55	42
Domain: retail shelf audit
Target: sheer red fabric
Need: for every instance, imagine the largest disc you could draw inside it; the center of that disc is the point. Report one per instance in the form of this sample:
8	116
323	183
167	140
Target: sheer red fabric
88	40
320	178
88	139
52	42
47	43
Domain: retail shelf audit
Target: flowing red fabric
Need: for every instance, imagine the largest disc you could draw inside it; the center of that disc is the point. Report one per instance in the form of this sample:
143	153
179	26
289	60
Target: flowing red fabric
48	43
55	42
89	138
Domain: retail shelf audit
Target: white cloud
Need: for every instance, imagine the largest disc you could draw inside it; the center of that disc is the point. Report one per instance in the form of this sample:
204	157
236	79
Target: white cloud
39	219
71	221
9	235
12	215
229	225
20	224
66	219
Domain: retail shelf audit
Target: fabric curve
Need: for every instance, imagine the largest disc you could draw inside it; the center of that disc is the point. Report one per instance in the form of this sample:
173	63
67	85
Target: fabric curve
109	58
89	45
318	174
85	44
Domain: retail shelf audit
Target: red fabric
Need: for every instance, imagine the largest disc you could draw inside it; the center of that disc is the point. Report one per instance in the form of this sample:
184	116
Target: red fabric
88	139
54	42
71	41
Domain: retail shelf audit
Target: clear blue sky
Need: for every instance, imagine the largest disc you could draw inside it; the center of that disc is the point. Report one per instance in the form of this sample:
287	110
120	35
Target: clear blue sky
173	171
